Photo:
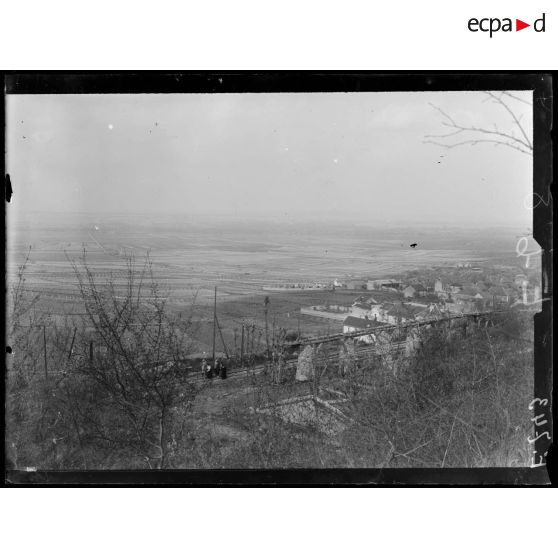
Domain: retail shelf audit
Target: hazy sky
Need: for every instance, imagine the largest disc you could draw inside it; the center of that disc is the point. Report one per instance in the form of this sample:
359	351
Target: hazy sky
347	155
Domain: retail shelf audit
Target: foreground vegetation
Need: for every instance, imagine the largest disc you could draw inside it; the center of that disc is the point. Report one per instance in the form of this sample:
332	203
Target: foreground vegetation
459	400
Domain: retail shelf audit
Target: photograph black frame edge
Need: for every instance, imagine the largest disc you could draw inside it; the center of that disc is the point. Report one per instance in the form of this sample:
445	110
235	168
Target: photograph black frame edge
71	82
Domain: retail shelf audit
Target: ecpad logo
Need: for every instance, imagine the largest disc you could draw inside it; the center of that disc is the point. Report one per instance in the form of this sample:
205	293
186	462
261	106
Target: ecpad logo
493	25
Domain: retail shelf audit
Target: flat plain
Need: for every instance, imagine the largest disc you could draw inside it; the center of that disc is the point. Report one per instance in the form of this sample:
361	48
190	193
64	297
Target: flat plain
193	255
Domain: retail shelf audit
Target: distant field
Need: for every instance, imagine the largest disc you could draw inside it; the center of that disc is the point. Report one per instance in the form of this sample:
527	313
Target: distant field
191	258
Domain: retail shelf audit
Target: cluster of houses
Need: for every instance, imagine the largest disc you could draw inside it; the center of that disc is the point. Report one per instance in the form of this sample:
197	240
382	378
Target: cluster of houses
369	313
419	302
479	296
475	295
370	284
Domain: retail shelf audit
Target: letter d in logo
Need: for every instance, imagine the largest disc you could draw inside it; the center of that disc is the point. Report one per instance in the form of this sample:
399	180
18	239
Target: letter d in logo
539	24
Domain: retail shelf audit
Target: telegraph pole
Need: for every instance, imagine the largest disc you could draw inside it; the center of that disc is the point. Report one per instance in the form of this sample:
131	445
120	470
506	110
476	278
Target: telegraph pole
214	325
44	344
248	342
222	339
266	304
242	345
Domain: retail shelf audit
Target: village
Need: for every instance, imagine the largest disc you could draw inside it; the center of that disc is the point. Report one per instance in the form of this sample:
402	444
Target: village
424	295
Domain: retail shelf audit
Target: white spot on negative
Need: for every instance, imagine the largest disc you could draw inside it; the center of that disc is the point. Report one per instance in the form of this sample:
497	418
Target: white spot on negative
110	126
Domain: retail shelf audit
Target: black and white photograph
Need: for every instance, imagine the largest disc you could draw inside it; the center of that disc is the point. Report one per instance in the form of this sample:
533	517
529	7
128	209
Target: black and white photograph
278	274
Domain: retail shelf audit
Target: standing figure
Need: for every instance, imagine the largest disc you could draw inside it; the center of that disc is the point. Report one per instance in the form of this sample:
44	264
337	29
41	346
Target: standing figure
208	370
222	370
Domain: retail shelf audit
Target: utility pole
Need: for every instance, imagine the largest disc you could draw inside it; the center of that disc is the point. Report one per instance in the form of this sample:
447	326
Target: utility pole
91	351
214	324
242	345
44	344
266	303
248	342
222	338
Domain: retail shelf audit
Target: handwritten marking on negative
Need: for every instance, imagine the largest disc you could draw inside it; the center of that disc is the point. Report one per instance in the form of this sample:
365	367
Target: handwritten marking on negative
539	421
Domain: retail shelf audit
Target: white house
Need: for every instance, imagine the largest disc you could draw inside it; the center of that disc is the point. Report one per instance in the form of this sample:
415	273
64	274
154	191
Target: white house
352	324
365	309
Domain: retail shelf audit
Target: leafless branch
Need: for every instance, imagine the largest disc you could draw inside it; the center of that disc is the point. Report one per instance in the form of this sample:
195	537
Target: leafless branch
475	142
508	139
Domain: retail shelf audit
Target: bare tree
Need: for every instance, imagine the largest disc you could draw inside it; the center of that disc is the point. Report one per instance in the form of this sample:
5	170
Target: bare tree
20	319
131	394
25	409
515	137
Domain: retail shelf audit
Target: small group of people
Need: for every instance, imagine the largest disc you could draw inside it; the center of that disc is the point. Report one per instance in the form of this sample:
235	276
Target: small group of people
218	369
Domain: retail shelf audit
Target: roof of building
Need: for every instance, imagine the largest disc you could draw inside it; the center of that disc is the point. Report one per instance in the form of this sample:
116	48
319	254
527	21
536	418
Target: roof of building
359	323
409	287
420	287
